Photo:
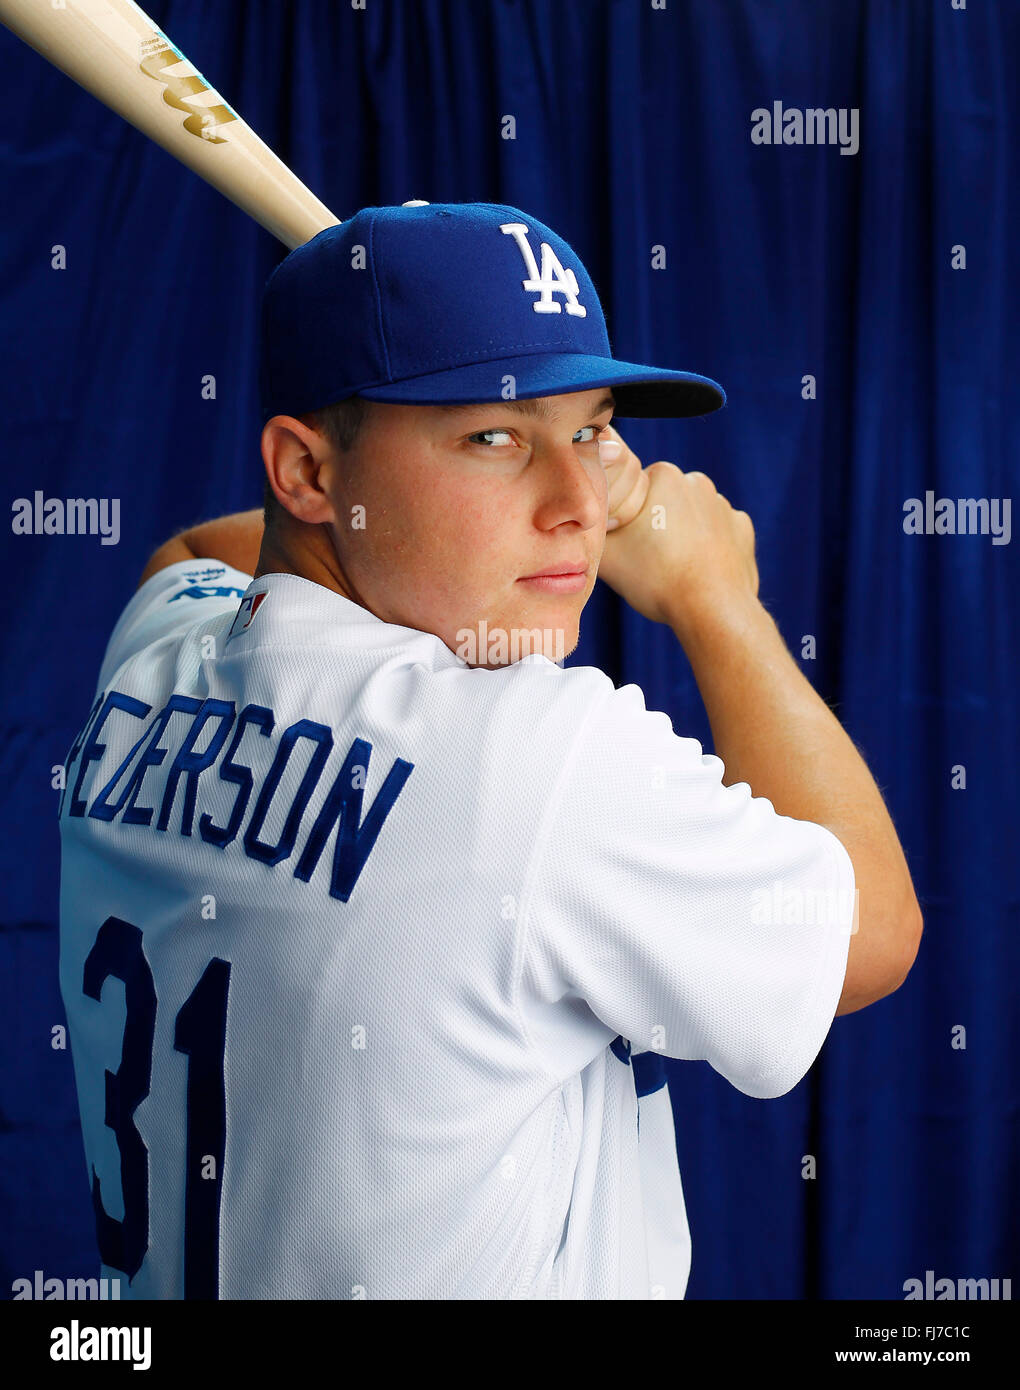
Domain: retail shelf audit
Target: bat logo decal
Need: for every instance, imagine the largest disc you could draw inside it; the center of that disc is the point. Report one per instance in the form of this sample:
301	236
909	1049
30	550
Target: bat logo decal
178	92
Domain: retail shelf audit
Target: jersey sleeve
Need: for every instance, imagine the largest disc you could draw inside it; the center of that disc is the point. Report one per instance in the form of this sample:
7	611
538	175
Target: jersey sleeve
690	918
170	600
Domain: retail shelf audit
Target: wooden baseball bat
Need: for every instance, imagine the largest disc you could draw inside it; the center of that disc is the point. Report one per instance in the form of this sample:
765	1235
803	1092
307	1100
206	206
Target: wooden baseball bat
116	52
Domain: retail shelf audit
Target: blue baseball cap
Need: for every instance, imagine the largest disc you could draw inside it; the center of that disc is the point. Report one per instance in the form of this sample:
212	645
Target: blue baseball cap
448	304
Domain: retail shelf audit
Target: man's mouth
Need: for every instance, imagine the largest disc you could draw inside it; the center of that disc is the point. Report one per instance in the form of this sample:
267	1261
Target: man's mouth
558	579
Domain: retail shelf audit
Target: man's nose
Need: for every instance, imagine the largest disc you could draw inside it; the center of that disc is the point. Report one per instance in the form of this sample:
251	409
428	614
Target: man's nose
573	485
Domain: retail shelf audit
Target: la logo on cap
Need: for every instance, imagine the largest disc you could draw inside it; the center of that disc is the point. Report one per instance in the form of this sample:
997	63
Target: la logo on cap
553	278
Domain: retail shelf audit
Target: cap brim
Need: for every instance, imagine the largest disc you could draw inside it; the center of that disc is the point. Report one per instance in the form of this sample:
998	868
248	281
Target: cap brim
640	392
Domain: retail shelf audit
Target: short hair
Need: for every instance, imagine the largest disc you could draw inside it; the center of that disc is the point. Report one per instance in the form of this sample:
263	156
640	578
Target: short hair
340	422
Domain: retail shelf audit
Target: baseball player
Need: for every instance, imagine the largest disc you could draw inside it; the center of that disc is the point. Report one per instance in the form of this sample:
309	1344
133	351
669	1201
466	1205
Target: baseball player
377	921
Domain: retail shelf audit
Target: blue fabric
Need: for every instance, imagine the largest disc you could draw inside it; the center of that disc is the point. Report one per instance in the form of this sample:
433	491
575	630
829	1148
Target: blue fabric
782	262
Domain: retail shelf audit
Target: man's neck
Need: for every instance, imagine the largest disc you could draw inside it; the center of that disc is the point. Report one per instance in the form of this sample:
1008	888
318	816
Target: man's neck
313	558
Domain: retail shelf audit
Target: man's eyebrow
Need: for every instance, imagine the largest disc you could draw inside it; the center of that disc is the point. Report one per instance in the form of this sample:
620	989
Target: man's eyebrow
538	406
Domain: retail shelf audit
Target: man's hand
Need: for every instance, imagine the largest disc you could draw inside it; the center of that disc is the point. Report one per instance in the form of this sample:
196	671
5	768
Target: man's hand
679	547
628	482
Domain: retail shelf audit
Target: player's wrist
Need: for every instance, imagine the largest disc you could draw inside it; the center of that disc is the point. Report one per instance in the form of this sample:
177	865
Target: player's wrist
714	619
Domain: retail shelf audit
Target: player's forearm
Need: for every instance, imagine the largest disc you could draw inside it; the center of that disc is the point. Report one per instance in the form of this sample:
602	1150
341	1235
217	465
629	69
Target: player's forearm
234	540
774	732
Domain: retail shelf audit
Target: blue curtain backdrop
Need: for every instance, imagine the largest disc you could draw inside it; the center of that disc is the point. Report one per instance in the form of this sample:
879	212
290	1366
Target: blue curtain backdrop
633	130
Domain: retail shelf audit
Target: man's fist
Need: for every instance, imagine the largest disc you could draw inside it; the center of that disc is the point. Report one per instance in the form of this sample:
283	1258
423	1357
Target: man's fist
628	482
679	547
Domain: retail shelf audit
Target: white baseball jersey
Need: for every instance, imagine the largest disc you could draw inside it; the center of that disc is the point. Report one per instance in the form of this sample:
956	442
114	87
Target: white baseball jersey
367	954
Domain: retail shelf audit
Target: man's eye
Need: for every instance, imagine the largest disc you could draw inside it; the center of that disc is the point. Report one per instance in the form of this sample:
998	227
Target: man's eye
482	433
593	432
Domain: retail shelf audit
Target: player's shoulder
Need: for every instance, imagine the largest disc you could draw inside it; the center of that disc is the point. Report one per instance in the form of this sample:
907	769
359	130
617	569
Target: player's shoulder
537	682
585	692
603	735
555	706
169	601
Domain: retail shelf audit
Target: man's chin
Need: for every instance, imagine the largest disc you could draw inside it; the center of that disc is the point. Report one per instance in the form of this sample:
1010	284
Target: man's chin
492	646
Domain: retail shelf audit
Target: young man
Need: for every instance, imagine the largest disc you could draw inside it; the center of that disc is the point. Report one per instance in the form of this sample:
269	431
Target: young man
405	914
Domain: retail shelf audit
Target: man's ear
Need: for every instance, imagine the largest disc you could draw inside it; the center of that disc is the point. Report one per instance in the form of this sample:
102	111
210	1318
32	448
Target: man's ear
298	460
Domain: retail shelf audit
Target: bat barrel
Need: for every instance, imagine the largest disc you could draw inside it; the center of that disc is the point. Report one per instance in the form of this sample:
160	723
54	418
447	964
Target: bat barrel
116	52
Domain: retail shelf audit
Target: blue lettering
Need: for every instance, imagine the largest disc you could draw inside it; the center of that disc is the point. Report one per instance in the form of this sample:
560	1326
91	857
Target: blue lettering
253	846
218	835
152	756
342	810
94	750
208	591
187	761
76	749
355	838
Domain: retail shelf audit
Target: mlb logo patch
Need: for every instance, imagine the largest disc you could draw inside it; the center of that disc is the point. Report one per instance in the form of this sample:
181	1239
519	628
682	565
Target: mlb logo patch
246	611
